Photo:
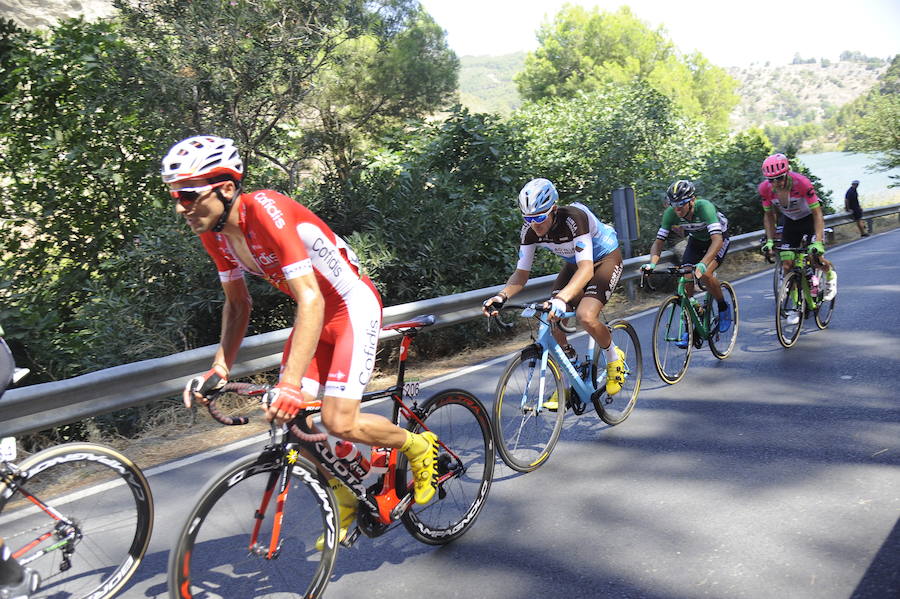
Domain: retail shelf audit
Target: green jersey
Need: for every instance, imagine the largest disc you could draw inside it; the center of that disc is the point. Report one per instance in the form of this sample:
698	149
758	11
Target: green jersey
704	221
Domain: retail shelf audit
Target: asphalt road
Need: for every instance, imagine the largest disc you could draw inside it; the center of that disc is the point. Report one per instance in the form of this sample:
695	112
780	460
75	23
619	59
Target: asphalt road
773	474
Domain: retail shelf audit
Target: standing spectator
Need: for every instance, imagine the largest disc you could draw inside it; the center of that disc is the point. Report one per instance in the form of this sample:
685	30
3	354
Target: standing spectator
851	204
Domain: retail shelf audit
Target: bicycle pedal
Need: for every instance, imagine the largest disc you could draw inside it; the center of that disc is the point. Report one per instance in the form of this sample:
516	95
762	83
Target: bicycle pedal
351	537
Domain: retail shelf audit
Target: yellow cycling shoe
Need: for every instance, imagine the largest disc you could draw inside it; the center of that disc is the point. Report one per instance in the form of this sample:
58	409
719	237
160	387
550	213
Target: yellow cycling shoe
551	403
422	452
346	508
615	374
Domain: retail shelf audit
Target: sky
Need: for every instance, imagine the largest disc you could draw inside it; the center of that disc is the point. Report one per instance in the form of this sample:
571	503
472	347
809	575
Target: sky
727	32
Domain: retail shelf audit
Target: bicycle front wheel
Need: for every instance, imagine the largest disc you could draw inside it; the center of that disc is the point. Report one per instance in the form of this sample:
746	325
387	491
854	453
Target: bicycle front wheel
233	544
81	519
673	340
525	429
790	308
465	467
824	309
722	344
616	408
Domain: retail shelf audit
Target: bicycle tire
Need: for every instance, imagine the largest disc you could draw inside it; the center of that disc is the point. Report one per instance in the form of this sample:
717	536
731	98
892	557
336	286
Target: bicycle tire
721	347
462	424
525	437
825	309
87	486
615	409
789	303
213	556
670	360
777	277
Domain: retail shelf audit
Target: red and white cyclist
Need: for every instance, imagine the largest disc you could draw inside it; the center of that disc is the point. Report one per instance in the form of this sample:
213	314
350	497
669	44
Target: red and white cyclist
338	320
794	196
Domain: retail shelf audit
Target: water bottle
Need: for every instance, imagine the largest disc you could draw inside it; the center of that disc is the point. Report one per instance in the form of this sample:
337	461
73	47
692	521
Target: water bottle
351	454
814	284
697	307
379	460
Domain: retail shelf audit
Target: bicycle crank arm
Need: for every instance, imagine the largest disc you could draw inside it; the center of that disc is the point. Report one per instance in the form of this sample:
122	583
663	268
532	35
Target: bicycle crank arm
401	507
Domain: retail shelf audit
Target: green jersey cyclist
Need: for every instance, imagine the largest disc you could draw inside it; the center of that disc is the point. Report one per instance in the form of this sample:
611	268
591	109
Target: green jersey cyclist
590	273
707	243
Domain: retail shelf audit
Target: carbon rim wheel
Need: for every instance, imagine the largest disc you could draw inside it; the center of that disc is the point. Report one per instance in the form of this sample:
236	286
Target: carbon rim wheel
465	467
214	557
100	517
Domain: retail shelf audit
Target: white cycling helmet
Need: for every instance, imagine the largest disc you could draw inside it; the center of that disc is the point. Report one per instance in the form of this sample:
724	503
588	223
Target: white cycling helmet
202	157
538	196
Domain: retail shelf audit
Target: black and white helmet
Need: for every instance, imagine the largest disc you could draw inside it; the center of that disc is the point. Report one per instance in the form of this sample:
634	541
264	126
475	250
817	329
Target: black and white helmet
680	192
538	196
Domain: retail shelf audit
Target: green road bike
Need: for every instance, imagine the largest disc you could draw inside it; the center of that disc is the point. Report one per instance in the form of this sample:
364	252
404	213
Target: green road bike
682	325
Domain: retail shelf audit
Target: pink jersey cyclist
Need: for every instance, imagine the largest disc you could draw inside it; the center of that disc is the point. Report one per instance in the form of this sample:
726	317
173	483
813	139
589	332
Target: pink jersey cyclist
287	240
800	200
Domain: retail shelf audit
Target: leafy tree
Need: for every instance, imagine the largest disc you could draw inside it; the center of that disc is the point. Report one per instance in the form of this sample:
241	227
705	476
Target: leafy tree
77	133
874	126
582	51
376	82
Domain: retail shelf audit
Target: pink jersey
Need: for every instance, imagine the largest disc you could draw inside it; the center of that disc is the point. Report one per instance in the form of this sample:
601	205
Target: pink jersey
801	201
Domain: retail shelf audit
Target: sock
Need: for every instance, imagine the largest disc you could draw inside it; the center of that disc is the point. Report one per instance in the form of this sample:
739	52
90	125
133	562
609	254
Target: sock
611	354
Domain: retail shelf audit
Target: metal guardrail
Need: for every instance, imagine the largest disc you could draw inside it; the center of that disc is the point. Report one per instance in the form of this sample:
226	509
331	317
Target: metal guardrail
46	405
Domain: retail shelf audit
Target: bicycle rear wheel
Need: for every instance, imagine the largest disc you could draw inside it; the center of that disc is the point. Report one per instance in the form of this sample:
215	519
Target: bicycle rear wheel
95	523
824	310
670	358
722	344
616	408
790	308
526	435
465	463
214	555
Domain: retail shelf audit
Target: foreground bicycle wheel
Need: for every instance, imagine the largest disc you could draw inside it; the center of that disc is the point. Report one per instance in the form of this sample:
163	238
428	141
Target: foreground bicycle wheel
825	309
790	308
465	462
214	557
722	344
97	519
616	408
672	322
525	434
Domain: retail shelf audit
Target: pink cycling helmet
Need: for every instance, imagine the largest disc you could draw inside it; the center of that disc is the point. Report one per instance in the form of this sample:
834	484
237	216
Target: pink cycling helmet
775	165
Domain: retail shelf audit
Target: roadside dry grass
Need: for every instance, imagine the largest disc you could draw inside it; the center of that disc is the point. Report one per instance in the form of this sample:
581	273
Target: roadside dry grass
175	431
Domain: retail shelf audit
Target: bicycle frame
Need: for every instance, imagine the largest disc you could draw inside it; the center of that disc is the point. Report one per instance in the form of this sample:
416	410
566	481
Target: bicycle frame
380	498
548	344
801	261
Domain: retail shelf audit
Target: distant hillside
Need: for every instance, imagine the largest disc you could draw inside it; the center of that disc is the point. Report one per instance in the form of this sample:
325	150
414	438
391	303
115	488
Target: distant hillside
796	94
486	82
770	95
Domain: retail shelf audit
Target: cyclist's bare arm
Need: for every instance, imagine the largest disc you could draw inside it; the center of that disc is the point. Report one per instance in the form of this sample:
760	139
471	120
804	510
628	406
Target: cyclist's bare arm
656	250
769	223
514	285
235	318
